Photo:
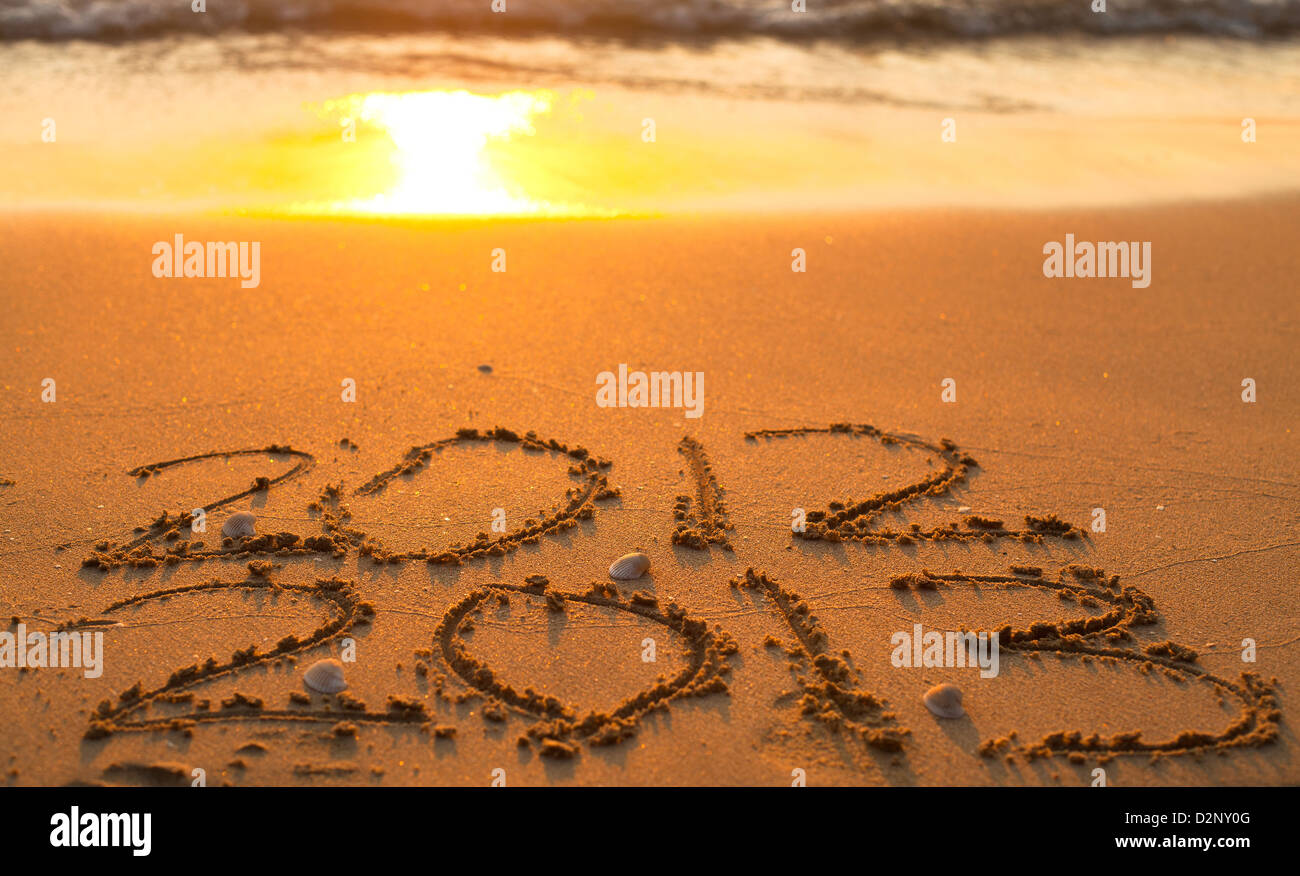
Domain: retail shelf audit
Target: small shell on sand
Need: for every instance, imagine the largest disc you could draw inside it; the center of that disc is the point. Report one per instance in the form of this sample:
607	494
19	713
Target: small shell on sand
325	676
631	566
944	700
241	524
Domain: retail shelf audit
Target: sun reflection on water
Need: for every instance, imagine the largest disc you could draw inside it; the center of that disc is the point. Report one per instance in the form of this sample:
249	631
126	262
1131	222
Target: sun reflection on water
442	152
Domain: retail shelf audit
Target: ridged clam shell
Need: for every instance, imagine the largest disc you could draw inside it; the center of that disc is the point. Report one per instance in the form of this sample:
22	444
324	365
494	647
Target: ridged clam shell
241	524
633	565
325	676
944	700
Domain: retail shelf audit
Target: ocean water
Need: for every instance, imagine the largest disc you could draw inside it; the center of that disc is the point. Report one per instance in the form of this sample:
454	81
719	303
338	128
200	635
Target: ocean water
643	19
754	105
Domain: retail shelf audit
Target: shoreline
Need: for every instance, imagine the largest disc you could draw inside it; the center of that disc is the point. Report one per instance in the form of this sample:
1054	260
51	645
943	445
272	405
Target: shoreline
1281	199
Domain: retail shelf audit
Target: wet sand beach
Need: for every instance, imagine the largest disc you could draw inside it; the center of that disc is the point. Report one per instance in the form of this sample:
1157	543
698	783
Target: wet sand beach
823	391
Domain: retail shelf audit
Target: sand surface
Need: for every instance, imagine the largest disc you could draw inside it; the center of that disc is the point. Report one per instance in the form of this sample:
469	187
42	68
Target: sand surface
1071	395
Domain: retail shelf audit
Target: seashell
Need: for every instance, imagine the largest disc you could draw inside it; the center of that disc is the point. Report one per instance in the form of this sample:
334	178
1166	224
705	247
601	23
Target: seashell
633	565
944	700
239	525
325	676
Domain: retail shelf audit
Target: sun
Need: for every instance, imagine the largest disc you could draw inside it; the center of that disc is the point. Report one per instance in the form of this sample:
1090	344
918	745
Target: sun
440	152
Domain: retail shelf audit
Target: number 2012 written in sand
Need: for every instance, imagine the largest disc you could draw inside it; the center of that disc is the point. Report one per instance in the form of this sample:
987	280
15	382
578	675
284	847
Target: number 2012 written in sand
832	691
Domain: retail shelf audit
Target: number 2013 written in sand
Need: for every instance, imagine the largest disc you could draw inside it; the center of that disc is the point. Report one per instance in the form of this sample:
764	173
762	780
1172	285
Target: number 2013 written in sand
832	690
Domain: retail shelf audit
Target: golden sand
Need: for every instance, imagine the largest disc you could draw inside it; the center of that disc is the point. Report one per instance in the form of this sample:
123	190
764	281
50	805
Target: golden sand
825	396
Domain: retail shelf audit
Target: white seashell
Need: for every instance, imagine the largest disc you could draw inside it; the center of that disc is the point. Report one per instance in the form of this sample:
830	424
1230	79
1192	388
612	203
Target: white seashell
631	566
944	700
325	676
239	525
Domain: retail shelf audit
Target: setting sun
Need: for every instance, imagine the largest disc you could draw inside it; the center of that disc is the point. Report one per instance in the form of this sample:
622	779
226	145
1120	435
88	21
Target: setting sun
440	150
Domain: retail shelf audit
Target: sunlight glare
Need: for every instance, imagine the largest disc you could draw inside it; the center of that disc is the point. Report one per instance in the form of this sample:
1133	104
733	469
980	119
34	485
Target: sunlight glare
440	141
